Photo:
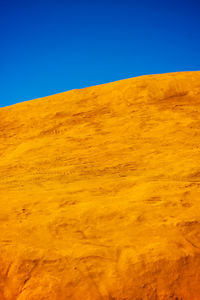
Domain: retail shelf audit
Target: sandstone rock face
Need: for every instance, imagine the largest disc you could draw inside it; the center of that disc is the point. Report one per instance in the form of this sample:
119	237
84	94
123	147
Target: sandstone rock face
100	192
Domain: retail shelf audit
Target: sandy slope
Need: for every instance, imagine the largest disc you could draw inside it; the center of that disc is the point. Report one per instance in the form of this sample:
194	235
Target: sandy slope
100	192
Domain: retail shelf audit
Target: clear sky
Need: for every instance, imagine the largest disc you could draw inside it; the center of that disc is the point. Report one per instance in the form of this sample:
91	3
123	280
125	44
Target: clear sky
51	46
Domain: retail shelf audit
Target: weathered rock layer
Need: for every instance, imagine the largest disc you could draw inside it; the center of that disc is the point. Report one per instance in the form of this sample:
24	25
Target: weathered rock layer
100	192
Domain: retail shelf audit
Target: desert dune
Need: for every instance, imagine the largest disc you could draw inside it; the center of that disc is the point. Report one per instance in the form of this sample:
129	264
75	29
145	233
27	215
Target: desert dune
100	192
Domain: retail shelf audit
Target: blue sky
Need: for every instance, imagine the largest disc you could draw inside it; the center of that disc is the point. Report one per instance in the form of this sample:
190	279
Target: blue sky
51	46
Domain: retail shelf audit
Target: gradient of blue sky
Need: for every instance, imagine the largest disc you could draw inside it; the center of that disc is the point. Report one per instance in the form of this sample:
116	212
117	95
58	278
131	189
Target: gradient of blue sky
50	46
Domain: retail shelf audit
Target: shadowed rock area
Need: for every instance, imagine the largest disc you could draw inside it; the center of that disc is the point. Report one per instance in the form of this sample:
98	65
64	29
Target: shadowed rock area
100	192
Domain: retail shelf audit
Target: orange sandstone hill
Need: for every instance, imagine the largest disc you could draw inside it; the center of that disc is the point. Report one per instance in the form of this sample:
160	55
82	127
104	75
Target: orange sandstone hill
100	192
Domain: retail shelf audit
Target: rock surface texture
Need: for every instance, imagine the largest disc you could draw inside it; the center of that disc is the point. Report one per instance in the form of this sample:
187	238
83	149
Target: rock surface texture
100	192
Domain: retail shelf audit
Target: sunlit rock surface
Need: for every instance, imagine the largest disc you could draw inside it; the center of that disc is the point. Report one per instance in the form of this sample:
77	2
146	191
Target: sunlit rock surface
100	192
